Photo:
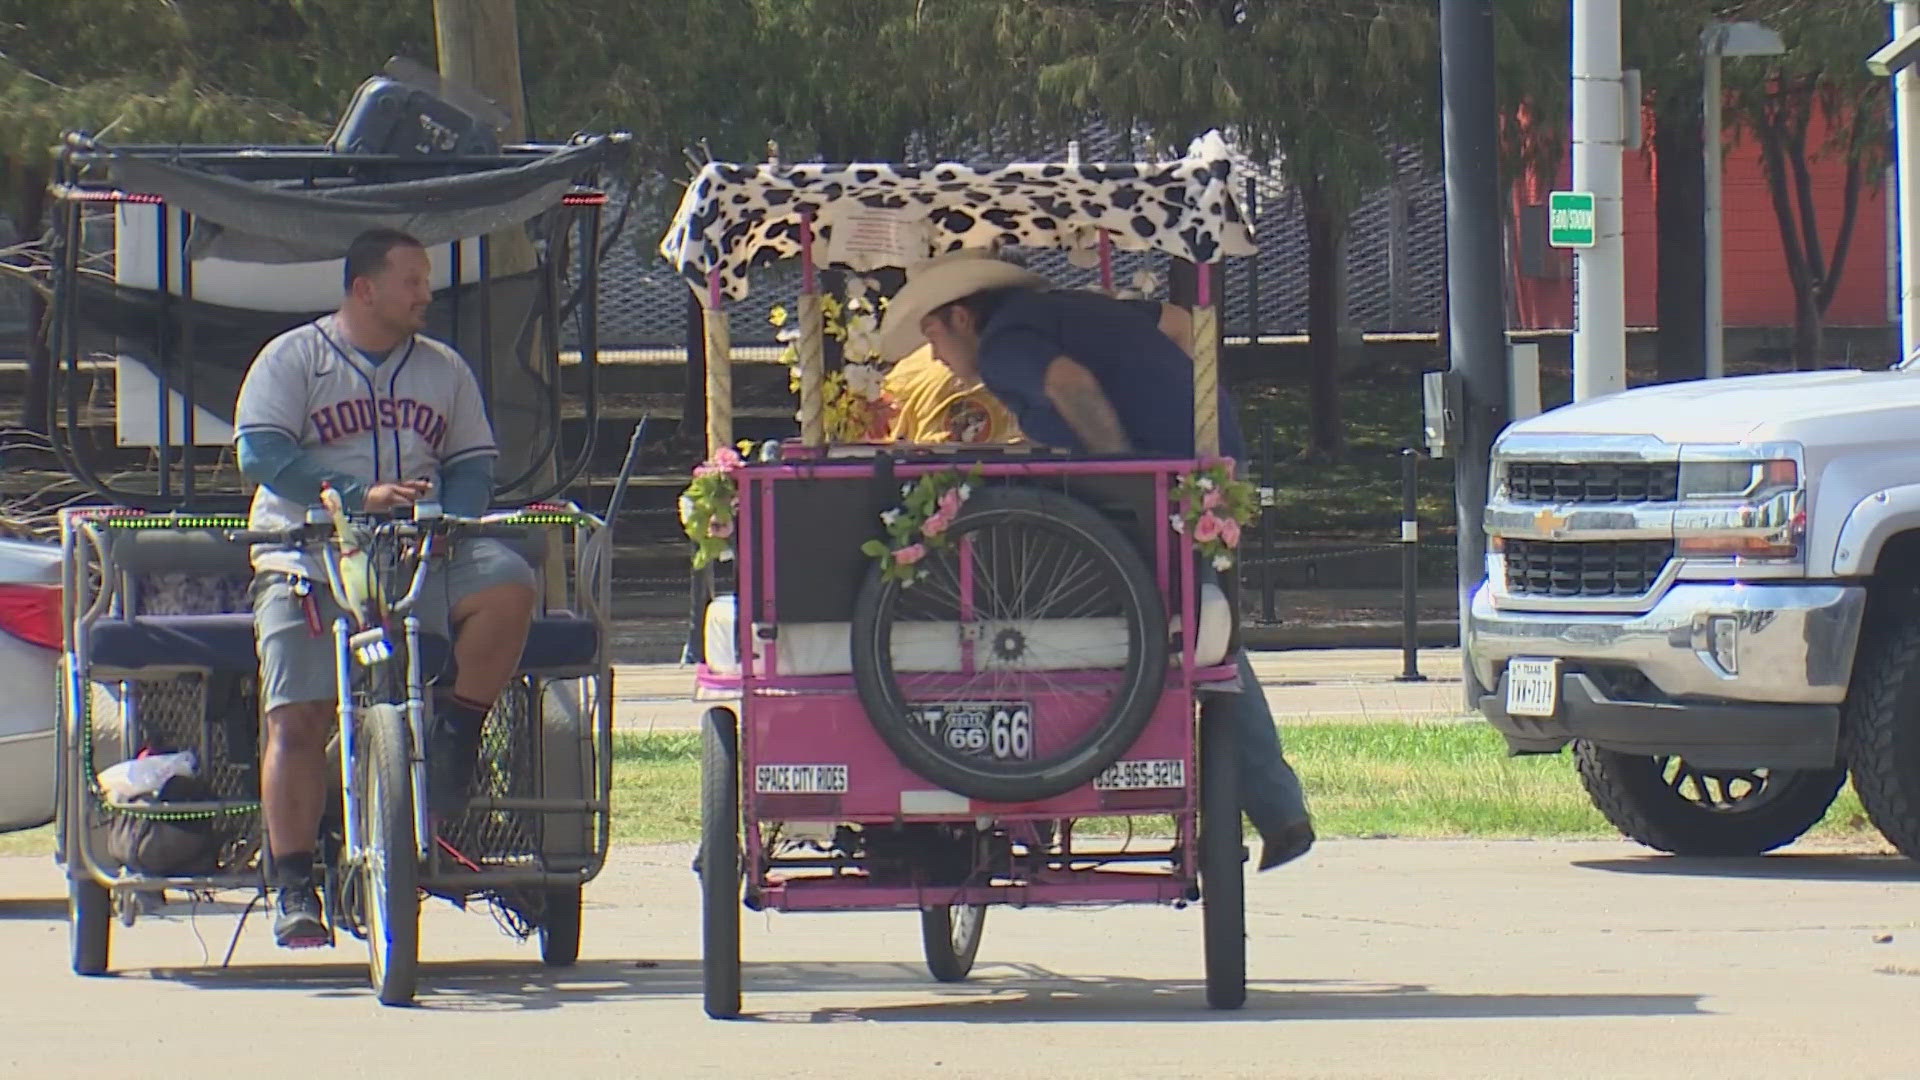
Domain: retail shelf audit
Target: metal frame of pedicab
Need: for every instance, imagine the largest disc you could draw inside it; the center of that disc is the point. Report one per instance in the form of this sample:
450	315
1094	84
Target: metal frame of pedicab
565	666
770	702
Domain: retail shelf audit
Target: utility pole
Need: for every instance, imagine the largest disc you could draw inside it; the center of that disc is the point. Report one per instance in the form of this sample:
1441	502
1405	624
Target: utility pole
478	45
1906	111
1600	271
1476	311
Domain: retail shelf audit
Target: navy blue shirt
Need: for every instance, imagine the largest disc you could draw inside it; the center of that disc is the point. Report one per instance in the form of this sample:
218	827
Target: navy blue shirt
1146	376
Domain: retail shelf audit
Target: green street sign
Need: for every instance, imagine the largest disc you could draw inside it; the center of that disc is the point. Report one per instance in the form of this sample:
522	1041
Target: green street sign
1570	219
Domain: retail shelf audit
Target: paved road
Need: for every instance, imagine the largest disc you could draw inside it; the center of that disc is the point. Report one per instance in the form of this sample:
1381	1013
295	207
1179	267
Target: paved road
1338	685
1372	958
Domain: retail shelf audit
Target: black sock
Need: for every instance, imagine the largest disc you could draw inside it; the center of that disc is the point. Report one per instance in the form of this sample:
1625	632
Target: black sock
461	715
291	870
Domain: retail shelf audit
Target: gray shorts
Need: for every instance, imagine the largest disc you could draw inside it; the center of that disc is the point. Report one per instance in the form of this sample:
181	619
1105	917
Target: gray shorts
296	665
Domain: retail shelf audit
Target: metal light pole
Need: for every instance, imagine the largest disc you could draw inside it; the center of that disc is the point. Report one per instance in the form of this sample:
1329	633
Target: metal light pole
1600	271
1476	328
1719	40
1896	60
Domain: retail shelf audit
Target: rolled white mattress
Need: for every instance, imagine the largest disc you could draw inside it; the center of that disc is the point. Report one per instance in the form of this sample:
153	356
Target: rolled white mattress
825	648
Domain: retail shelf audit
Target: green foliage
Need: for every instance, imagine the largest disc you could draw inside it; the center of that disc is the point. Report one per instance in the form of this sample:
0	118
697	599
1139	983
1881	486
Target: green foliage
920	523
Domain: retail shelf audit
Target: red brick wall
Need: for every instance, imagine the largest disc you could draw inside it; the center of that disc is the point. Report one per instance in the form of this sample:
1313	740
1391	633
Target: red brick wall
1758	293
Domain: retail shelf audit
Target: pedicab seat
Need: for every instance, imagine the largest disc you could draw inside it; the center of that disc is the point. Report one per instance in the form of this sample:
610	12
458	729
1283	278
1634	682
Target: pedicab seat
155	644
824	648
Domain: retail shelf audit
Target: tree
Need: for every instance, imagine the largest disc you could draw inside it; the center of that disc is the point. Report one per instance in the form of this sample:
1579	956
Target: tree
1320	87
1821	77
119	65
1662	39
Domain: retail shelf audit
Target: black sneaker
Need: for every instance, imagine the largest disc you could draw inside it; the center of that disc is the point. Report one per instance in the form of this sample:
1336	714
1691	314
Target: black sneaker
452	755
300	923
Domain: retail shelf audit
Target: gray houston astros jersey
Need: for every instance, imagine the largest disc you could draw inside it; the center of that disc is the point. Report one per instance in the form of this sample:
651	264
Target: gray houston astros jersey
404	419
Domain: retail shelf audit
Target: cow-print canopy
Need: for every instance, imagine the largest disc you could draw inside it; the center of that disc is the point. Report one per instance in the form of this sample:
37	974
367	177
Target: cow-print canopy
738	217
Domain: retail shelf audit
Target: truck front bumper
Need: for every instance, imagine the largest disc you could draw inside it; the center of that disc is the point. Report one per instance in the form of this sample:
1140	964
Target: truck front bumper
1724	675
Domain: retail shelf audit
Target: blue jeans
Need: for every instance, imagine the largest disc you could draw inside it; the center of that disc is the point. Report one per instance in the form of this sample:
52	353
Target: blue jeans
1270	792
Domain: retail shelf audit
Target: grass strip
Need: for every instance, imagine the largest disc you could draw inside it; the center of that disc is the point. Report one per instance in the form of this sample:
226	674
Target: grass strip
1375	781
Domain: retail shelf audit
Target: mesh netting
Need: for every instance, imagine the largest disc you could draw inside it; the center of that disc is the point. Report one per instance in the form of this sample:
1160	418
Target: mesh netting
509	769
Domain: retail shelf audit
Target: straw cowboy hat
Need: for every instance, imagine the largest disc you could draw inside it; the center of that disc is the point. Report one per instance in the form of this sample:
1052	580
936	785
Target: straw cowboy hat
940	281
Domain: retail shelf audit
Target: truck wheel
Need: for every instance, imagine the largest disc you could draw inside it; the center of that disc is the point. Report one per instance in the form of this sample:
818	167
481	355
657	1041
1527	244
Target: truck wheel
1671	806
1878	734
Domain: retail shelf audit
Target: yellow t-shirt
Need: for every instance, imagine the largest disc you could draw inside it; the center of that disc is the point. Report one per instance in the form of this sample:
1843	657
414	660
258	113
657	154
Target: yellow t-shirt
936	406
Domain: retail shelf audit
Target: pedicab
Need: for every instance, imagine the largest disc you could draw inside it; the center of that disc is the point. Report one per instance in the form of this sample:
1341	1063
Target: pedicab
171	266
934	661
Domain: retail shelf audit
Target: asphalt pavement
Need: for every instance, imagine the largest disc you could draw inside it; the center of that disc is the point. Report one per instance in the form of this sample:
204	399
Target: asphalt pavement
1367	959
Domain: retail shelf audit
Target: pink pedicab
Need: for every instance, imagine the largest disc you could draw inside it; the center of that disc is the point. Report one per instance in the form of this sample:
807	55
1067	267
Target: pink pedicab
932	662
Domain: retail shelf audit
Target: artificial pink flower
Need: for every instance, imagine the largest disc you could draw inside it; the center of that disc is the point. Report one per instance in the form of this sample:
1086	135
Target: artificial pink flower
937	524
1211	500
703	471
910	554
1230	532
1207	528
727	459
720	530
950	503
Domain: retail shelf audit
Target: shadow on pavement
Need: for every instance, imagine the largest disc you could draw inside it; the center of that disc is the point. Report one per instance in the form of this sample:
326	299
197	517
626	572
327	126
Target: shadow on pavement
1026	996
1775	867
998	993
36	907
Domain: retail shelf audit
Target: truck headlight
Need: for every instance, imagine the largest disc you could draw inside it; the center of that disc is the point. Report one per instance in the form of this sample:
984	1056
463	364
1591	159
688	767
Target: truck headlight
1737	479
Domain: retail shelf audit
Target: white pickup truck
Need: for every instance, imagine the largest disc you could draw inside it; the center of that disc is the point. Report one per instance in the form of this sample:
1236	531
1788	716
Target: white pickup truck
1712	590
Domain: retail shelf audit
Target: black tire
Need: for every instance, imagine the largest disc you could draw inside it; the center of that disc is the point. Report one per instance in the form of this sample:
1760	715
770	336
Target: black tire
1223	880
1730	813
89	924
89	904
1141	606
720	863
390	866
952	942
1879	736
560	929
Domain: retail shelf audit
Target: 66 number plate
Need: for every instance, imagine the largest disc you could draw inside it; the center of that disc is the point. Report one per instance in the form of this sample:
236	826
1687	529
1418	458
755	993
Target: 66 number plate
995	730
1142	775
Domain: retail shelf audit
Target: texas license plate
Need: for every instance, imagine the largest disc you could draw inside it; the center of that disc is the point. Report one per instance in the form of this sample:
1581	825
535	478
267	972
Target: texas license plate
1533	687
1142	775
995	730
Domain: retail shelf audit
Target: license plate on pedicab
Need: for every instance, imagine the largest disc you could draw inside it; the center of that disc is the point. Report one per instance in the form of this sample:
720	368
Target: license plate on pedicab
995	730
800	779
1142	775
1533	687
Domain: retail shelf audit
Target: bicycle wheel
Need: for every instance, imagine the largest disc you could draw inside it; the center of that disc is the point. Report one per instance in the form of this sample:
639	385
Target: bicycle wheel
560	927
720	864
390	864
1028	657
950	937
1223	876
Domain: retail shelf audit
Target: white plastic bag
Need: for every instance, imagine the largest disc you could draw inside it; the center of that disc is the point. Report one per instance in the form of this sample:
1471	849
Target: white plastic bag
144	776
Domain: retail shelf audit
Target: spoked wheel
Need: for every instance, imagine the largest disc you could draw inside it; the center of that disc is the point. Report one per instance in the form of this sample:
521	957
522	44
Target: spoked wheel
560	928
720	863
1223	882
389	868
951	936
1027	656
1671	805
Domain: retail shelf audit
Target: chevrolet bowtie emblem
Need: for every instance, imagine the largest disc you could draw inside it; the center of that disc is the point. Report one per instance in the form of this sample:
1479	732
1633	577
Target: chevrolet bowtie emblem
1550	523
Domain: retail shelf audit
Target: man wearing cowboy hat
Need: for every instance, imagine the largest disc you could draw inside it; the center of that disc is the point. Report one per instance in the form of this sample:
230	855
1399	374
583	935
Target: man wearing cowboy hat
1089	372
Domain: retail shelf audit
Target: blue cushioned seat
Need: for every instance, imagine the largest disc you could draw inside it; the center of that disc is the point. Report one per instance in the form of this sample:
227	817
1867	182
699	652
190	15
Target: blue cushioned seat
224	643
